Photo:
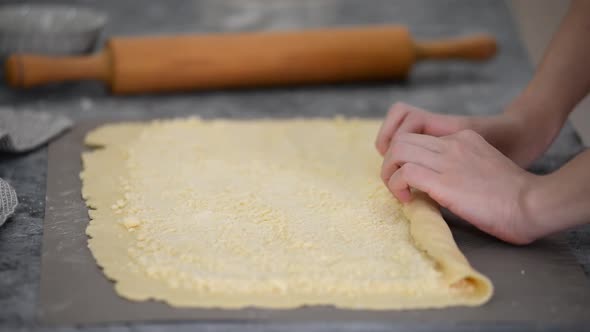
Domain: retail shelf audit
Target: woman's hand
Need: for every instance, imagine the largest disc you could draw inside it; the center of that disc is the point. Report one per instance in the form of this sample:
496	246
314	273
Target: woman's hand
514	135
466	175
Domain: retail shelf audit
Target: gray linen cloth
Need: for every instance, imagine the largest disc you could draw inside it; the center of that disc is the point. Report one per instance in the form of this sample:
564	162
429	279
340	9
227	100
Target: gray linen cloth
23	131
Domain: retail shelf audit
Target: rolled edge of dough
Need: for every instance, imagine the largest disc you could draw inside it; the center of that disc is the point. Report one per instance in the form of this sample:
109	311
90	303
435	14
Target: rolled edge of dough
431	234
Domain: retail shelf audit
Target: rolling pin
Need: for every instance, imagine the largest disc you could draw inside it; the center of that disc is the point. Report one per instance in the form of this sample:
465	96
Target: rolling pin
231	60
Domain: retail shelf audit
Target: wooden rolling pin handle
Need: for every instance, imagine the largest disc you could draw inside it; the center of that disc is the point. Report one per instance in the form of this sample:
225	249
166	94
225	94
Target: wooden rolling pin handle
475	48
25	71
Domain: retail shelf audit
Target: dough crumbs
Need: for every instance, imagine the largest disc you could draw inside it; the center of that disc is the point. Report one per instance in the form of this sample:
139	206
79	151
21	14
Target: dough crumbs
131	222
273	213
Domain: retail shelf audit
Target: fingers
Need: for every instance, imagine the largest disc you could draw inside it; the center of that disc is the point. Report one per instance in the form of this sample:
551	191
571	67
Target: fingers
394	117
413	176
403	118
401	153
431	143
466	135
398	114
442	125
411	124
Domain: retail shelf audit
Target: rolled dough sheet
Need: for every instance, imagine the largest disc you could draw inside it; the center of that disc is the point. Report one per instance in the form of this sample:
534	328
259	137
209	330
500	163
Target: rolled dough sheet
267	213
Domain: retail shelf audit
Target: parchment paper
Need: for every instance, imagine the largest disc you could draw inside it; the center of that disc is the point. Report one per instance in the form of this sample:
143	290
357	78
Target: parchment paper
537	284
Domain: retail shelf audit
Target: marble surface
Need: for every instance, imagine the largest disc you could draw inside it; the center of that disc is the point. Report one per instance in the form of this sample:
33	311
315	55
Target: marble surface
456	88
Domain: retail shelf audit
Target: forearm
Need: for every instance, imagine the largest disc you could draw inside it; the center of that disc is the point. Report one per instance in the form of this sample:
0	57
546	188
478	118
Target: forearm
562	199
563	77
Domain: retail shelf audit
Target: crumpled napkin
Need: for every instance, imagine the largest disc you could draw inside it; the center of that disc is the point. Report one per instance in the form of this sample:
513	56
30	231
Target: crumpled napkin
8	201
23	131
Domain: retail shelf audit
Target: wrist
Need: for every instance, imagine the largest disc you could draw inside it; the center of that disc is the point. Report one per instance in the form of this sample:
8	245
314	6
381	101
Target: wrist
532	130
558	201
538	212
545	119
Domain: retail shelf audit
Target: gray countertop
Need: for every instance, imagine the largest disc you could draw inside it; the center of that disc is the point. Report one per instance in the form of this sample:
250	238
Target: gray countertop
457	88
